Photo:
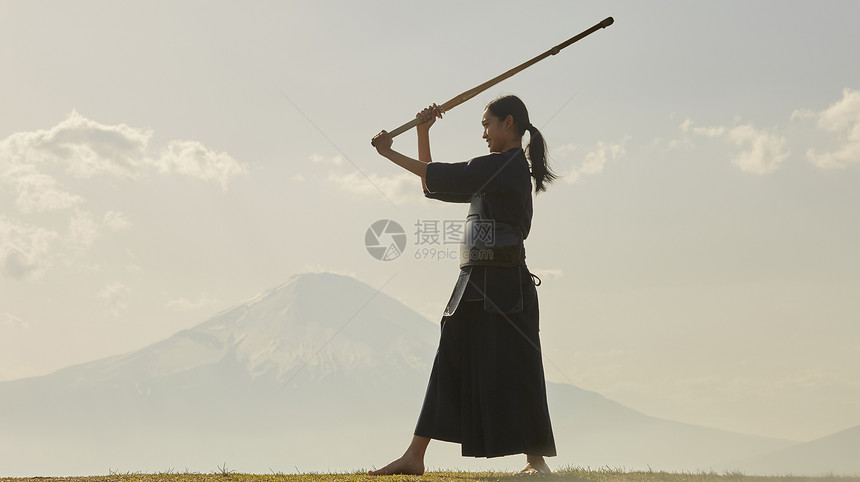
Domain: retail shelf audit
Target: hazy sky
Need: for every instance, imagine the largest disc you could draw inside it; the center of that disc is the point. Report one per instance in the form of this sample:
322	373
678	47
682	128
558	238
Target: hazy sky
163	161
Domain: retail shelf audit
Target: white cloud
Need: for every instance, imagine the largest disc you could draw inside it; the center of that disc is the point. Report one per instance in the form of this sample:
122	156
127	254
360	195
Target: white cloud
85	147
39	192
762	152
684	142
24	249
594	160
83	230
184	304
10	320
320	159
803	114
765	150
844	114
116	221
401	187
115	293
688	131
193	159
843	119
566	150
41	171
687	128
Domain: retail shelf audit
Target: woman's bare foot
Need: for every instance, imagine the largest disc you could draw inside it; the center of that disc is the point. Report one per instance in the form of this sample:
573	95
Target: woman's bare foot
411	463
403	466
535	465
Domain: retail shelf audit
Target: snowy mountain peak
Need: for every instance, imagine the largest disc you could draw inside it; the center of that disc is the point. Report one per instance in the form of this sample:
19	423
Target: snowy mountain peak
318	323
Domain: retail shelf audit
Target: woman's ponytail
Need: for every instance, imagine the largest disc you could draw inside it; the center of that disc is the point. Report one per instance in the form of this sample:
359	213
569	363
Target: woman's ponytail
536	153
511	105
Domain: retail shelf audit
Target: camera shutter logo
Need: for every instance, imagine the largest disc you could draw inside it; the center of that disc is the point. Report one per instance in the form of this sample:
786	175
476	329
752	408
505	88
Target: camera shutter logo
385	239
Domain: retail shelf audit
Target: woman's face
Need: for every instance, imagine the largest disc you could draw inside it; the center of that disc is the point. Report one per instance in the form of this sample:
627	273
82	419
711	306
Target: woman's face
497	132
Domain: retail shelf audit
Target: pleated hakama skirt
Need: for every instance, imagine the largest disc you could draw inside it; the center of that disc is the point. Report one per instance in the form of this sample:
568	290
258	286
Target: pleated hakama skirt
487	389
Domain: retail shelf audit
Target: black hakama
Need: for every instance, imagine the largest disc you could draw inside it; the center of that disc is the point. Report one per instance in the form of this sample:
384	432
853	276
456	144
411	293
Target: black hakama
487	389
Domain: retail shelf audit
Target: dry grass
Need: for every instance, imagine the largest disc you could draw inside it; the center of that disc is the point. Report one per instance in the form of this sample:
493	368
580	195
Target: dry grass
224	474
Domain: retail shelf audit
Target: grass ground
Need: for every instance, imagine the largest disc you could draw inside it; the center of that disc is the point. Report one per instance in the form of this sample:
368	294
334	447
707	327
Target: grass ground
567	475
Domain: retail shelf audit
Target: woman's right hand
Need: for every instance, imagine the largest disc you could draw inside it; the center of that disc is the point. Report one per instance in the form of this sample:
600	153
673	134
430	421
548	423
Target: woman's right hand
428	116
382	142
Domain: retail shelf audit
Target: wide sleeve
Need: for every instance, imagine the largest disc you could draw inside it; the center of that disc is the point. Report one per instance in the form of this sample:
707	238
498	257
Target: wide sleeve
450	197
494	172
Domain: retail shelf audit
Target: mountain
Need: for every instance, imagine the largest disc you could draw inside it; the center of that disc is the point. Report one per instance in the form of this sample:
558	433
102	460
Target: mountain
598	432
322	373
320	354
838	453
290	331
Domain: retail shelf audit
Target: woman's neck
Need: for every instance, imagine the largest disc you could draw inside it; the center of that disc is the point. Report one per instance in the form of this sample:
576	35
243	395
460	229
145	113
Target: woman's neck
518	144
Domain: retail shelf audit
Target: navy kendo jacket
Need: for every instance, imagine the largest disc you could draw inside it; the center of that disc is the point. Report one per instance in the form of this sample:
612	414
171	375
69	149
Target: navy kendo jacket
504	181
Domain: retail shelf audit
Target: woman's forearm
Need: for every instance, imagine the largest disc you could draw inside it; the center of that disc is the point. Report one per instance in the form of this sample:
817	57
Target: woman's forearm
424	152
412	165
424	146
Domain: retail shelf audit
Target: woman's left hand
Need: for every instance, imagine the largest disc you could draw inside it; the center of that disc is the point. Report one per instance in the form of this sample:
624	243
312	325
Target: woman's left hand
428	116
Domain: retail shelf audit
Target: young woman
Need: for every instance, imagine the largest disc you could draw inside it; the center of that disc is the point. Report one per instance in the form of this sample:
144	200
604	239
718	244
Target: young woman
487	390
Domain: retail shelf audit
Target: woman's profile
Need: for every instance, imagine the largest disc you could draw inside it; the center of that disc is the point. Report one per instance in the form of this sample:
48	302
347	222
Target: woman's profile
487	390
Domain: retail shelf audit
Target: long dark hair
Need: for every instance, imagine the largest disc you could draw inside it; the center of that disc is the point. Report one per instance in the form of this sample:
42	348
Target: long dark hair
511	105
